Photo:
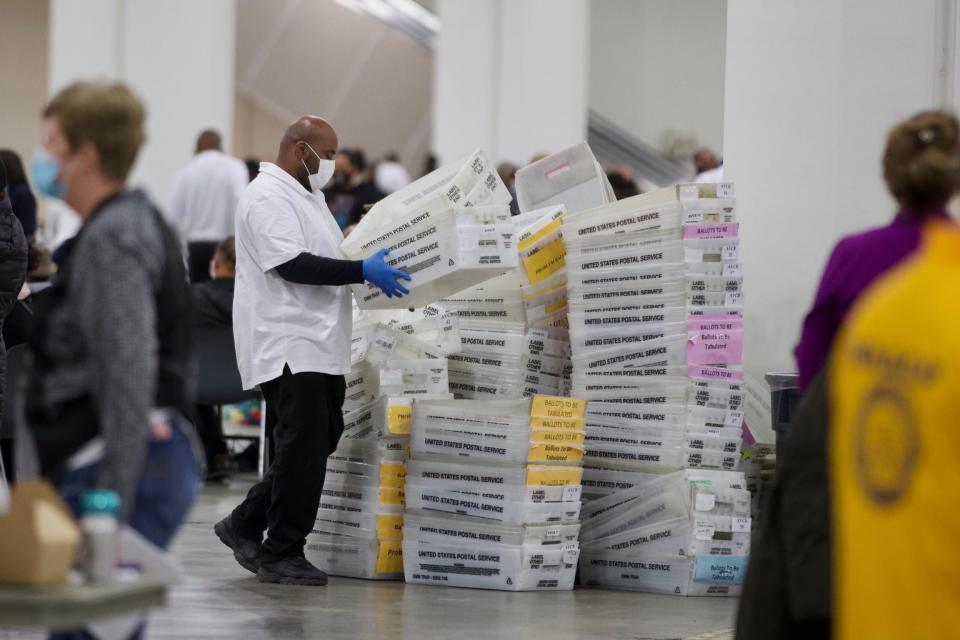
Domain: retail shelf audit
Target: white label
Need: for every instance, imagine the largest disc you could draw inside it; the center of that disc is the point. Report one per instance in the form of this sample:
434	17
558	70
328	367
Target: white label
705	502
703	529
386	341
570	553
733	299
734	419
552	532
725	190
689	192
469	238
391	377
741	525
692	255
730	253
732	270
571	493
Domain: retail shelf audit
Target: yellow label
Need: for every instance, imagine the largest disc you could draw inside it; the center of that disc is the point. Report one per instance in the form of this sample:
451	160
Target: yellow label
556	306
390	557
557	424
390	527
548	452
399	417
536	236
393	474
392	495
557	407
545	476
545	292
546	262
550	436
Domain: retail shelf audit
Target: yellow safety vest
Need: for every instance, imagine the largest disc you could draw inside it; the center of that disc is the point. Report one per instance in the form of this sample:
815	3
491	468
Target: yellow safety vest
895	452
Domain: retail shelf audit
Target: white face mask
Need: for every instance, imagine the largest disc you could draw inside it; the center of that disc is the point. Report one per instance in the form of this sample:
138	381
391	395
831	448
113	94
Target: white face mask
324	172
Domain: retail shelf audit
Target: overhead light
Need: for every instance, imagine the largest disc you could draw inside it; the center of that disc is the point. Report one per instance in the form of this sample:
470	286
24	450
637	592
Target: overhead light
403	15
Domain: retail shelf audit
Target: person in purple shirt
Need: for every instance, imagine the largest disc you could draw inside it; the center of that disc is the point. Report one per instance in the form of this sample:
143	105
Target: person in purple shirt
921	166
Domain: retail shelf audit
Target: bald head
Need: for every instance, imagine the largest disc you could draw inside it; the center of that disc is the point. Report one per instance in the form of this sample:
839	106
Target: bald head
304	144
705	160
209	140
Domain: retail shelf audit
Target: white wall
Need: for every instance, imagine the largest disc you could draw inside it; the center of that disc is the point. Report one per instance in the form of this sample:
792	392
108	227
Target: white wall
811	90
23	69
510	76
178	55
658	66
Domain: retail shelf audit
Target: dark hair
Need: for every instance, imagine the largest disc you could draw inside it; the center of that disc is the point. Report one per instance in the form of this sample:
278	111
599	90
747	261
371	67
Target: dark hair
209	139
3	178
622	186
228	249
14	167
921	163
356	157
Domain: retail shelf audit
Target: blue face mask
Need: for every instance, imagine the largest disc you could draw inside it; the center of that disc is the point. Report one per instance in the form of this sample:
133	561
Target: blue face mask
45	173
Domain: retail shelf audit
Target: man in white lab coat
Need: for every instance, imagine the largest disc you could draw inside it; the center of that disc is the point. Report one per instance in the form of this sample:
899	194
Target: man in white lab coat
292	321
203	201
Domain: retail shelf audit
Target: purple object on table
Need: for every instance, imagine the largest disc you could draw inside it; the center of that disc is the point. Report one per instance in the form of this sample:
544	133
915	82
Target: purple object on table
854	264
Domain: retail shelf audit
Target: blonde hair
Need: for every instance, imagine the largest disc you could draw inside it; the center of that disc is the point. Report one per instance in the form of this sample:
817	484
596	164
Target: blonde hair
109	115
921	163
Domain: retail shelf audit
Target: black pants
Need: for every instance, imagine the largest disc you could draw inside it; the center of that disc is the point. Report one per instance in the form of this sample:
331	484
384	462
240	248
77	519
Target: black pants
307	408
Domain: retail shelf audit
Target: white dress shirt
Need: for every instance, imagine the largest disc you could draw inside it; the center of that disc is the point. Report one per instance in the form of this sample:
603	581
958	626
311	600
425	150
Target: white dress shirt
204	196
276	322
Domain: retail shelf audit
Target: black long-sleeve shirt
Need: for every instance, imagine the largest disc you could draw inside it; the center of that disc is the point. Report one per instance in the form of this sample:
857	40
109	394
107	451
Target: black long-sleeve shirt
307	268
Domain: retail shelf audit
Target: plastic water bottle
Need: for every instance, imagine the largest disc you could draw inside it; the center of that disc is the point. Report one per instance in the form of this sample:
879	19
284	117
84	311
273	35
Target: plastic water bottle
98	521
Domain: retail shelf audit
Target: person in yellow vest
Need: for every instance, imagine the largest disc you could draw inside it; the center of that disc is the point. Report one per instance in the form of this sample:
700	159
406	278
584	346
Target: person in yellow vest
894	442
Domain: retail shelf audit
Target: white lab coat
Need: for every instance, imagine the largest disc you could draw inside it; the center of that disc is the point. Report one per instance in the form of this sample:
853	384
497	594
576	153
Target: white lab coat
276	322
204	196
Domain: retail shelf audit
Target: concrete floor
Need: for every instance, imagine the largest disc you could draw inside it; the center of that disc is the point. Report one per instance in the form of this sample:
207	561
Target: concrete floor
218	599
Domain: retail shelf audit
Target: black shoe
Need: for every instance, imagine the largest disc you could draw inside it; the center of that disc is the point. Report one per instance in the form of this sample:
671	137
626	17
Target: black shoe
219	468
295	570
245	550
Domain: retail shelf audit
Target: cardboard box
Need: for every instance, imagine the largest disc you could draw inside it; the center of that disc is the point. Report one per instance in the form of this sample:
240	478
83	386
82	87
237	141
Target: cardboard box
39	537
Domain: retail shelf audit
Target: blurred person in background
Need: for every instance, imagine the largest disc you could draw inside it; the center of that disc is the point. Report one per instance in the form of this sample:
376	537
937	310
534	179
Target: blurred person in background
788	592
60	224
108	389
430	164
508	173
18	191
292	328
212	309
13	269
390	175
707	167
918	153
351	188
203	200
622	182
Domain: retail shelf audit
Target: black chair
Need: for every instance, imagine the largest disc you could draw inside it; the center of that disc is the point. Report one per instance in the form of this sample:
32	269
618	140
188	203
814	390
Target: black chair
199	255
218	378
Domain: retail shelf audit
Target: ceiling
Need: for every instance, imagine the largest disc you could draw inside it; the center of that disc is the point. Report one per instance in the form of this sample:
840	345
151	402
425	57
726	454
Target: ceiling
372	82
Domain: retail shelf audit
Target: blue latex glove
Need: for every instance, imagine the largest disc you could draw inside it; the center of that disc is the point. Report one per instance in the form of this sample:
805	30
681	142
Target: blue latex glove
377	271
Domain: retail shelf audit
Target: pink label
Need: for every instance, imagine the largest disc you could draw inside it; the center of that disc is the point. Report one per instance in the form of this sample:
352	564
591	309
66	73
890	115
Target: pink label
715	323
715	347
713	373
709	231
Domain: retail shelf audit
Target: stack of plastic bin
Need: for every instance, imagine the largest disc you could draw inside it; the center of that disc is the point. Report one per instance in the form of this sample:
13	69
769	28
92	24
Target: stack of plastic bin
655	314
493	493
359	527
685	533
